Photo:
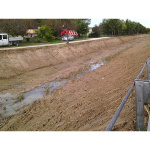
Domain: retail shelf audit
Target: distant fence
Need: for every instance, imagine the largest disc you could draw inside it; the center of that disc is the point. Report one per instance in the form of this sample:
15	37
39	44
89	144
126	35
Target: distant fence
142	96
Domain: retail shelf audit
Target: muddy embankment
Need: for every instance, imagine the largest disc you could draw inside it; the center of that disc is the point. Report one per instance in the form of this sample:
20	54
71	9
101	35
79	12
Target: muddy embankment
15	62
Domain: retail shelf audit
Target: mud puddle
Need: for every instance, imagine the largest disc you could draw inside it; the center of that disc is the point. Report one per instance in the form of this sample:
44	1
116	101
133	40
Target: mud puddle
11	104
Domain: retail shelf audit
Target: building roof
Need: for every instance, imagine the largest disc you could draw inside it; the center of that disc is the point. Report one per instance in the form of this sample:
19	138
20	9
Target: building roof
31	31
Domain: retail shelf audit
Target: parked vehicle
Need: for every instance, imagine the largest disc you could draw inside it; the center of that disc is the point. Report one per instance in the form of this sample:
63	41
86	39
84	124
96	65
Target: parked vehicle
5	40
70	38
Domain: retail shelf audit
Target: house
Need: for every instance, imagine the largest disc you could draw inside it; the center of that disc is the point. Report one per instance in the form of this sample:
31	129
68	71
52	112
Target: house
90	30
31	32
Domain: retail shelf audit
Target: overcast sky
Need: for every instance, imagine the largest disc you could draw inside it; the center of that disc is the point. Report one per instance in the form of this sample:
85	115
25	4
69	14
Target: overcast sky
135	10
144	22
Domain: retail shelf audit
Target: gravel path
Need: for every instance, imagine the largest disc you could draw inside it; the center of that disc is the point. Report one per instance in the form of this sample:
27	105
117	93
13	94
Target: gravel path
23	47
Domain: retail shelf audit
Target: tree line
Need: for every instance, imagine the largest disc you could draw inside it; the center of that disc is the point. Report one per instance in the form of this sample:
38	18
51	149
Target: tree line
118	27
20	26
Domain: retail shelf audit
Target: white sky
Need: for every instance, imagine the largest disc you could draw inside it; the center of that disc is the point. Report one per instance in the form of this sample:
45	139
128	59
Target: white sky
135	10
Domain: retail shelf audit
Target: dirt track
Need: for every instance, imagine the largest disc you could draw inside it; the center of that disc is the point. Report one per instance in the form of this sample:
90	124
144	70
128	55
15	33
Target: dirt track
87	103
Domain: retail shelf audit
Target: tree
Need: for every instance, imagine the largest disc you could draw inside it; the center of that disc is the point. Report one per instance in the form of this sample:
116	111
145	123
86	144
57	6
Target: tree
123	28
119	26
111	26
56	26
134	27
111	23
31	23
20	27
13	26
104	26
45	33
130	26
147	30
82	26
114	25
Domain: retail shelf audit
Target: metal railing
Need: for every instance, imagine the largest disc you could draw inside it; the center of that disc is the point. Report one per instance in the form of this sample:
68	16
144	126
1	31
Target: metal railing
140	95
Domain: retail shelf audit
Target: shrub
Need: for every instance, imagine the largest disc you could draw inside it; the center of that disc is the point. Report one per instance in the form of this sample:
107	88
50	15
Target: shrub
95	31
94	34
45	33
38	40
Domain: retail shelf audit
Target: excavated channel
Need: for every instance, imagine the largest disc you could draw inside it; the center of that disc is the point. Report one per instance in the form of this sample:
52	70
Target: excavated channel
12	104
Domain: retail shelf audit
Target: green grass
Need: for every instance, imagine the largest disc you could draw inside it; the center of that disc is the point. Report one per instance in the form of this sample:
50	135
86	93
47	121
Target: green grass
30	43
25	43
148	44
81	39
105	35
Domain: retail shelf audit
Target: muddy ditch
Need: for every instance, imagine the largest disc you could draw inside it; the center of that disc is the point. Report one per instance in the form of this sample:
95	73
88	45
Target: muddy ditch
21	62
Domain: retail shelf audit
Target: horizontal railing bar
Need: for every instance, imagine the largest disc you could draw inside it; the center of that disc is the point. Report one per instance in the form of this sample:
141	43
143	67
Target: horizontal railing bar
113	121
141	71
115	117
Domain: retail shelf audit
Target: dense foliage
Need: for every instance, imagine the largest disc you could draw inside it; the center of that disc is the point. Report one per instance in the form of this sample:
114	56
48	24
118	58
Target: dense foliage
121	27
108	27
13	26
19	26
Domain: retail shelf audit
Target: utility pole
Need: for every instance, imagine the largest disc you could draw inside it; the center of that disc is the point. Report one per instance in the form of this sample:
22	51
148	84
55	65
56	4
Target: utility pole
67	36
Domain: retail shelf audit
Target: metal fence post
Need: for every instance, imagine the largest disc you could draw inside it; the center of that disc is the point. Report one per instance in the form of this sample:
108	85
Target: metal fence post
148	69
146	92
139	105
148	127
